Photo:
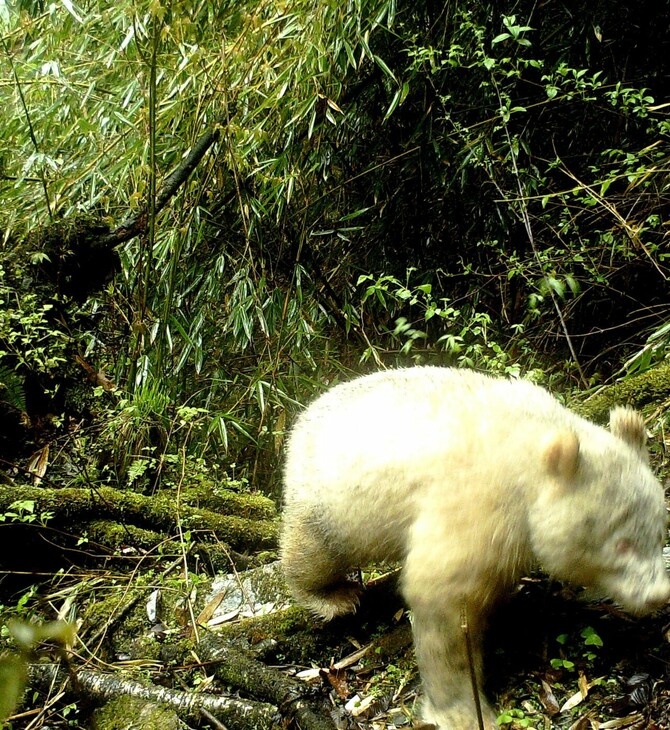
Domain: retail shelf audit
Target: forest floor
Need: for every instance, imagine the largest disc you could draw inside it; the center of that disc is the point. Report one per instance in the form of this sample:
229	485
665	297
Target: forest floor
175	601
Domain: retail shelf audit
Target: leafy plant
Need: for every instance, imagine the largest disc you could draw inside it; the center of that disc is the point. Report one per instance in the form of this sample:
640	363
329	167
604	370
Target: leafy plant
589	642
240	299
24	511
516	717
467	339
12	392
13	666
28	339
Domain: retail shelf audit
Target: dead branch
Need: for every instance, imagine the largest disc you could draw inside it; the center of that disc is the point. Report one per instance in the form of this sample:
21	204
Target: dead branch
241	669
136	224
234	713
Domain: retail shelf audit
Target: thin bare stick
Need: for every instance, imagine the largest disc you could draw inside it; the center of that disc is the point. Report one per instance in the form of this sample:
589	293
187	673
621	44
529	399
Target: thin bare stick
212	720
465	628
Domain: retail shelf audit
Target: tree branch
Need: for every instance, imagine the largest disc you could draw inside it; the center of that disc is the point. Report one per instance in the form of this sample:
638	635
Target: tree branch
234	713
136	224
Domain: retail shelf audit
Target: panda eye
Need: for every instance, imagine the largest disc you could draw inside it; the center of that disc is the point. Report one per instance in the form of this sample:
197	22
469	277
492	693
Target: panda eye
623	546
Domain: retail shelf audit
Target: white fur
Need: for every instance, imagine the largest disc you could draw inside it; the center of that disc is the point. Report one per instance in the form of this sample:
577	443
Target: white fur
469	480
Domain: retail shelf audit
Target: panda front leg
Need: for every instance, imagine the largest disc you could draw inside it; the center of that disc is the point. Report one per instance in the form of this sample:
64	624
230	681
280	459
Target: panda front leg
450	595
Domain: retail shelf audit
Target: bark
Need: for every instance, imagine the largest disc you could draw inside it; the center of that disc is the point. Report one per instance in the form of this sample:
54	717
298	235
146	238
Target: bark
235	714
137	224
240	669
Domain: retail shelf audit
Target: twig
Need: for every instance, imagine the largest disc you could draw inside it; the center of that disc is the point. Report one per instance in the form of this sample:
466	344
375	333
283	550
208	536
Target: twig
525	219
212	720
471	664
121	613
631	230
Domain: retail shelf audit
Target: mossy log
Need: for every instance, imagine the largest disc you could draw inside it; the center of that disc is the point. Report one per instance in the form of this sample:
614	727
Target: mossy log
89	685
207	495
242	670
125	712
160	512
264	698
638	391
291	632
237	654
115	536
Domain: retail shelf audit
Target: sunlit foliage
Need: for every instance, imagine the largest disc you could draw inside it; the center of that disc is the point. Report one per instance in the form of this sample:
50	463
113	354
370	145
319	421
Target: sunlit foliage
452	183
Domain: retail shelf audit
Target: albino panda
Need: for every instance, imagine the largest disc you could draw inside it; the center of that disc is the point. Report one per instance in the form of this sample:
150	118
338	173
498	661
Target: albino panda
469	481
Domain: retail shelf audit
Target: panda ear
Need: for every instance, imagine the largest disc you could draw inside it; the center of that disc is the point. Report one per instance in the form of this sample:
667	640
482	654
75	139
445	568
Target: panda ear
628	425
561	455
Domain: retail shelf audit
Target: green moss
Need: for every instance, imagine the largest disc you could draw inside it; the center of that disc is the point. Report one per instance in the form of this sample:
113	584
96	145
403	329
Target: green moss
157	512
211	496
652	386
127	712
292	629
114	536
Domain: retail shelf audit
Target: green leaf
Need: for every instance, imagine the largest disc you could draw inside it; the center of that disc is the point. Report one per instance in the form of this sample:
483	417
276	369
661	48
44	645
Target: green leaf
384	67
591	638
500	38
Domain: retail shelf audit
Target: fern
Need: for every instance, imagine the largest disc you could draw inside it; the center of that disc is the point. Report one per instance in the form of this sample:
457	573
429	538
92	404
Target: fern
11	388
